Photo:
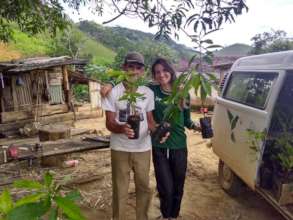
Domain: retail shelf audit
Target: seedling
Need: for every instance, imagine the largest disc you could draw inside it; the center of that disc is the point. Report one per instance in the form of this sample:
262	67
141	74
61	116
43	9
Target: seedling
131	96
44	201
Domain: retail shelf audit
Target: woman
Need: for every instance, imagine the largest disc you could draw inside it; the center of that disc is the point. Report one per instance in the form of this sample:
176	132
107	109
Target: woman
169	158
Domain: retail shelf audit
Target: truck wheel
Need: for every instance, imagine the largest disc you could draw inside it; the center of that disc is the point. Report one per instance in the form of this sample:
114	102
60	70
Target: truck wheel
229	181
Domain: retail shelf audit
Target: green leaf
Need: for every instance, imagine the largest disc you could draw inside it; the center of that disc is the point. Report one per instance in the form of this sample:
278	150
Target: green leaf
196	82
192	59
206	86
30	199
6	203
213	46
69	208
176	115
230	116
234	122
203	94
208	41
28	184
53	215
212	77
48	179
73	195
29	211
168	112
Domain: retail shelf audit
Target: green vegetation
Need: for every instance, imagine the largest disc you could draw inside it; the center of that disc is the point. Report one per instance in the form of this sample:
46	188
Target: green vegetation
255	141
77	44
123	40
106	75
72	42
44	198
272	41
81	92
30	46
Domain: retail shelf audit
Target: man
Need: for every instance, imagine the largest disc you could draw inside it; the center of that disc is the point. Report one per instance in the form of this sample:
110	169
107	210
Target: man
130	154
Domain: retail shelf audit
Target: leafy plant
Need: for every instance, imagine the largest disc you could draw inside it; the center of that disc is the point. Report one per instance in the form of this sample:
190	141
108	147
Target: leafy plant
131	82
81	92
255	140
284	145
195	77
180	91
44	201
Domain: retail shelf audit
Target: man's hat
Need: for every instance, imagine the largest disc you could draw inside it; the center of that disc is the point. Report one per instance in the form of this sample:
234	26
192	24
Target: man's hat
134	57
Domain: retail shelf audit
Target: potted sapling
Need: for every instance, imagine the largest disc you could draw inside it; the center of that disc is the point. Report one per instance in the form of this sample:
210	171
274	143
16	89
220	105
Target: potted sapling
131	115
172	111
176	101
131	96
195	77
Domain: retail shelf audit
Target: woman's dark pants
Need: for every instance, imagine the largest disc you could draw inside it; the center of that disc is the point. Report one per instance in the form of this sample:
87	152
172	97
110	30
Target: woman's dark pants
170	169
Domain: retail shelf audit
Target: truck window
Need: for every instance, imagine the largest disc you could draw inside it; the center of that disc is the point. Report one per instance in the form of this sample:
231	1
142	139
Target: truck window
282	119
250	88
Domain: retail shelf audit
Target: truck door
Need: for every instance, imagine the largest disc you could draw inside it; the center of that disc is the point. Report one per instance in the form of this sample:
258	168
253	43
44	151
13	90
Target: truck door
242	107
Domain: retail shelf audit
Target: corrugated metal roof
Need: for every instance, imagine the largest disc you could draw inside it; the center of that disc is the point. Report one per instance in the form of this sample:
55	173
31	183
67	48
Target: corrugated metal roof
24	65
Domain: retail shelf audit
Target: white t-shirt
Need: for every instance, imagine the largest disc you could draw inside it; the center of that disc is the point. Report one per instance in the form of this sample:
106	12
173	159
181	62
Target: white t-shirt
111	103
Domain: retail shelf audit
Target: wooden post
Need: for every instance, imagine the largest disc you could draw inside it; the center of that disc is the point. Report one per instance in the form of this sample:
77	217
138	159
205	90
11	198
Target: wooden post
65	77
14	96
2	109
66	85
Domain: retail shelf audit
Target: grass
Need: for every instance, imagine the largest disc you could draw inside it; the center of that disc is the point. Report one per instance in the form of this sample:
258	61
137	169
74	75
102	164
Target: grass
100	54
24	46
7	53
30	46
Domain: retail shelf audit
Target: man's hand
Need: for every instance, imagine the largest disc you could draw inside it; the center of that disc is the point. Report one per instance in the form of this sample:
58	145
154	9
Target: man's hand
164	139
128	131
105	89
196	127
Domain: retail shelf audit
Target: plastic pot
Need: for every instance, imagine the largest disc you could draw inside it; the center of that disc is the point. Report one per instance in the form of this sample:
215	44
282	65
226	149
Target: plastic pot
134	122
161	131
206	127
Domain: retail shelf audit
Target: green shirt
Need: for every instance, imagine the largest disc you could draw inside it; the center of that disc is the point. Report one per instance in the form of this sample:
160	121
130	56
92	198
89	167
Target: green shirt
177	138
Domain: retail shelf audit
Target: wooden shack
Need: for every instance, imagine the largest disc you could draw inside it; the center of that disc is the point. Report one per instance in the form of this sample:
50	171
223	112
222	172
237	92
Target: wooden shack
40	89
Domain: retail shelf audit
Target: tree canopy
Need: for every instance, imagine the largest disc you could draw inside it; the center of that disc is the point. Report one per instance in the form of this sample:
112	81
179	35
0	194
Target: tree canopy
34	16
272	41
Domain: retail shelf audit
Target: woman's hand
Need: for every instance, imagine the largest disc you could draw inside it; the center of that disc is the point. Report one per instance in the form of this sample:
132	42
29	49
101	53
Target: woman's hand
164	139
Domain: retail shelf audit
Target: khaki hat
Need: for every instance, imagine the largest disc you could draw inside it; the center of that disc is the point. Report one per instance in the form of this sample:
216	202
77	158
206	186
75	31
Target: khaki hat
134	57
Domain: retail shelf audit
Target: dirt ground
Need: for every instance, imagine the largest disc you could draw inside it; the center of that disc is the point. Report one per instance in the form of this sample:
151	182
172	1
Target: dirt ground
203	197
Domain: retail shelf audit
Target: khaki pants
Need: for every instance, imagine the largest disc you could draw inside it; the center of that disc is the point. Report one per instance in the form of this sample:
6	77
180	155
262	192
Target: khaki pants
122	164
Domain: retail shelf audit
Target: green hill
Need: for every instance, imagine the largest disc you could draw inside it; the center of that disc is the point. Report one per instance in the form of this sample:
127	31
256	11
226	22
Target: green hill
234	50
117	37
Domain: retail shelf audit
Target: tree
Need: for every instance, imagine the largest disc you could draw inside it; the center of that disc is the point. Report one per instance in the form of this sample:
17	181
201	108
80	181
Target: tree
69	42
34	16
149	50
272	41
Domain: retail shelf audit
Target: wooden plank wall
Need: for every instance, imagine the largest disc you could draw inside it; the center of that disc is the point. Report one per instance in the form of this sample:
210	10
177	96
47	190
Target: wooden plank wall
26	114
23	92
95	97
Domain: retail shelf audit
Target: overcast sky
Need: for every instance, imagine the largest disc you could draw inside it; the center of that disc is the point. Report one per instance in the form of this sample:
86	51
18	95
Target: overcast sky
263	15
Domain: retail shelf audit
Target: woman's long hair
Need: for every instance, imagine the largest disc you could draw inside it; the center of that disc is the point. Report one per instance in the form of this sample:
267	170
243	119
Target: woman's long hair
167	66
